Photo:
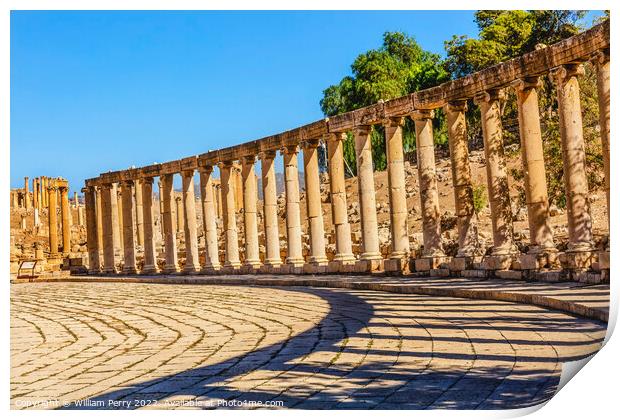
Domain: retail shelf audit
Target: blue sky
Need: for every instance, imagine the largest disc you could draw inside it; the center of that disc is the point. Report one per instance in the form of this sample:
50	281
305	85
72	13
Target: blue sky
99	91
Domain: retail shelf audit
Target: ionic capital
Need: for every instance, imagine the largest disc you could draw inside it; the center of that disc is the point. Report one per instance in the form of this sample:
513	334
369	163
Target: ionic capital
208	169
310	144
600	57
290	149
393	122
527	83
362	130
562	73
227	164
187	173
248	160
267	155
336	137
422	114
456	106
489	96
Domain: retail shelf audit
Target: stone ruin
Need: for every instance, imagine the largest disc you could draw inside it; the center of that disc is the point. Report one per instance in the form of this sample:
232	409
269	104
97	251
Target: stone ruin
118	228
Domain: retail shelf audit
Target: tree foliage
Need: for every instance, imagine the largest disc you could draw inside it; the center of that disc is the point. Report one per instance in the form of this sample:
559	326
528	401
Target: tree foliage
401	66
398	67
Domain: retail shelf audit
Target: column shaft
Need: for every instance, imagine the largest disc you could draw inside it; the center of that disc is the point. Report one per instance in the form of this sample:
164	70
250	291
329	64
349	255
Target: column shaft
129	243
229	214
367	198
497	178
192	264
574	158
396	181
94	265
170	237
99	213
66	224
295	256
139	213
250	197
53	222
146	195
26	193
108	198
602	83
313	203
461	178
340	218
270	203
212	259
429	197
116	220
532	155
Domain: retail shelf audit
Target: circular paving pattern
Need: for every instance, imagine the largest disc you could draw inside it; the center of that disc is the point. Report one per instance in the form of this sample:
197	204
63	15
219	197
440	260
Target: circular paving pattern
79	345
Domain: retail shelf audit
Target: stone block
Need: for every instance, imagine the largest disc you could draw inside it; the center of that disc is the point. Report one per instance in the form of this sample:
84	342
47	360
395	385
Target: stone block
315	268
461	263
528	262
576	260
553	276
429	263
440	272
396	265
497	262
509	274
369	266
481	274
603	260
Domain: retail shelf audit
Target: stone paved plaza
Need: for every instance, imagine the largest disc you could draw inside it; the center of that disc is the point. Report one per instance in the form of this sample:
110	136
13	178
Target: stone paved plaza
182	346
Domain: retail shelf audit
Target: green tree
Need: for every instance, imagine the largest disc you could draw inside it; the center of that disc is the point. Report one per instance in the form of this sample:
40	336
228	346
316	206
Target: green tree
398	67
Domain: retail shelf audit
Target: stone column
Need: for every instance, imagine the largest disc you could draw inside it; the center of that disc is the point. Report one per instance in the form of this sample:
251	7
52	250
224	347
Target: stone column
75	198
462	184
108	198
270	203
14	199
129	243
399	257
66	224
120	213
53	220
574	158
35	193
344	258
192	264
532	155
250	197
317	257
238	185
294	255
497	180
229	212
150	261
94	264
116	220
170	237
139	213
44	192
371	259
80	216
212	259
179	213
601	61
217	193
26	193
429	197
99	213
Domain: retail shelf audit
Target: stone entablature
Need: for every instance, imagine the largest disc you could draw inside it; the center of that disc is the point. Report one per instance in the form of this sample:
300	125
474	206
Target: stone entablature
561	60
